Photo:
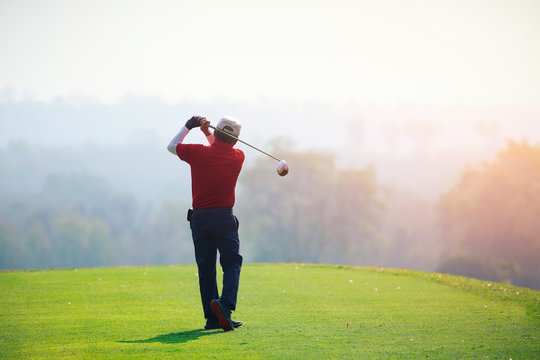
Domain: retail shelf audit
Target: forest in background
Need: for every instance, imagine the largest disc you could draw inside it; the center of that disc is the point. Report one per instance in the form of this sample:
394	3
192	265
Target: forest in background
54	213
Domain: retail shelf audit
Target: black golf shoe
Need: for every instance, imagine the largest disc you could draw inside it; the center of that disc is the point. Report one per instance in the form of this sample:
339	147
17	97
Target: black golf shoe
223	314
212	324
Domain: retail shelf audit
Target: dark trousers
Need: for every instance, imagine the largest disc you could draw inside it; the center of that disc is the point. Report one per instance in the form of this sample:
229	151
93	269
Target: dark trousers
216	230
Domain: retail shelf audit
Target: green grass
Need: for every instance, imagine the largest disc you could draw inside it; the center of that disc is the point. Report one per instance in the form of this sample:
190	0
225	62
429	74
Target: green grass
290	311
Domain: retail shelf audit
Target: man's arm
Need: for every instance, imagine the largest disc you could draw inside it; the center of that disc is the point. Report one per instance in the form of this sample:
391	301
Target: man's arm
177	139
204	128
195	121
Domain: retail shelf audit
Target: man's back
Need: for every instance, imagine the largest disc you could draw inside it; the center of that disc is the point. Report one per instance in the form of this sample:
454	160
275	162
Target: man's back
214	172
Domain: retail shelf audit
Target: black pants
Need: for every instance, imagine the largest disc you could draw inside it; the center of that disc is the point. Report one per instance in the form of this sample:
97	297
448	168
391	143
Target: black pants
216	230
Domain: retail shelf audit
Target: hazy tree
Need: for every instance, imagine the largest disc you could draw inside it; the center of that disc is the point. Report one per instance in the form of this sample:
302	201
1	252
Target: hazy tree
317	213
411	238
166	237
78	220
493	213
69	223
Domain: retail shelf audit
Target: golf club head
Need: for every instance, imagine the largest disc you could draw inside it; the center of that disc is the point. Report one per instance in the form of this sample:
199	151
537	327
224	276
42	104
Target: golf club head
282	168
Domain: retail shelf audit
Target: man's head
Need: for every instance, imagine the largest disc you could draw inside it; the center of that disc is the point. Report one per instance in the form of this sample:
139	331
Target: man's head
230	125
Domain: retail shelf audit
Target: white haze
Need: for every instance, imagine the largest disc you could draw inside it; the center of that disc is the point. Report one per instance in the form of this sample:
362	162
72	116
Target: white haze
389	52
408	148
421	89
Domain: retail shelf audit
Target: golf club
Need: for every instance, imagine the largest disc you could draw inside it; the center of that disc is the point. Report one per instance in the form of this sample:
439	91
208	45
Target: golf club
282	168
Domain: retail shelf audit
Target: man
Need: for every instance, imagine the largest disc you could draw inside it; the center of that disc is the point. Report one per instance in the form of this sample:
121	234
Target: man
214	172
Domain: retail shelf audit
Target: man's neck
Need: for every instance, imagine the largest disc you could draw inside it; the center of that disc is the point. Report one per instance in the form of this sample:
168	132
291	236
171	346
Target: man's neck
222	143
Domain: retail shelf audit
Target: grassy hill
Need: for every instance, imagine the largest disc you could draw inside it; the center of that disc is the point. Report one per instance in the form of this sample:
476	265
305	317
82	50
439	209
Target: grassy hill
290	311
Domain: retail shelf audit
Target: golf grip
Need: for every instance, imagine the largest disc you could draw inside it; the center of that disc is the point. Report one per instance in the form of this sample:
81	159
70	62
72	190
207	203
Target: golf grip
243	142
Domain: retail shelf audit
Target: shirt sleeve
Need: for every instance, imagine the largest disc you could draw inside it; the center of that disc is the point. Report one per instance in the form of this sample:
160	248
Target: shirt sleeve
177	139
189	152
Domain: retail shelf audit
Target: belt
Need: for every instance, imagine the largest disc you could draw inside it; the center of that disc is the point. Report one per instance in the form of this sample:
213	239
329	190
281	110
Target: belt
227	210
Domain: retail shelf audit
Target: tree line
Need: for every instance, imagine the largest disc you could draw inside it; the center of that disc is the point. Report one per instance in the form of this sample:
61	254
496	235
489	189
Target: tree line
78	220
485	226
491	219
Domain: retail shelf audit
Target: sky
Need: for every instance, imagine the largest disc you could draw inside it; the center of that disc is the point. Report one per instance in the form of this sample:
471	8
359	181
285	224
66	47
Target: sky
420	88
398	52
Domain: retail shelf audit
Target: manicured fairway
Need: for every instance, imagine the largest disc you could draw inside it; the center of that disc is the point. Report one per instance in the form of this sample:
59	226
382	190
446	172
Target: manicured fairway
290	311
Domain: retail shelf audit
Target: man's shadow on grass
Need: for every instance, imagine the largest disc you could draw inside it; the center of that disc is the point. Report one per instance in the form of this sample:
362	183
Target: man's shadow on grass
176	338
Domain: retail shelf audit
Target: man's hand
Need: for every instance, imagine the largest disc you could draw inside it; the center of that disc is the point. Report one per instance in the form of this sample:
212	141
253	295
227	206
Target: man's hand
204	127
195	121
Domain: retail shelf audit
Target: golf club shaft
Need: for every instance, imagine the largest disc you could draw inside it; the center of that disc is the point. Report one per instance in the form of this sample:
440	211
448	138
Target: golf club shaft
243	142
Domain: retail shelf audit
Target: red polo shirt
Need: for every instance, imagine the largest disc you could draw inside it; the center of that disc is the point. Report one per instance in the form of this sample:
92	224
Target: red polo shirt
214	171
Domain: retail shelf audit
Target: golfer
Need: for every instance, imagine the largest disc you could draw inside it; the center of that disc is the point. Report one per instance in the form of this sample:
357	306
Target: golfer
214	172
